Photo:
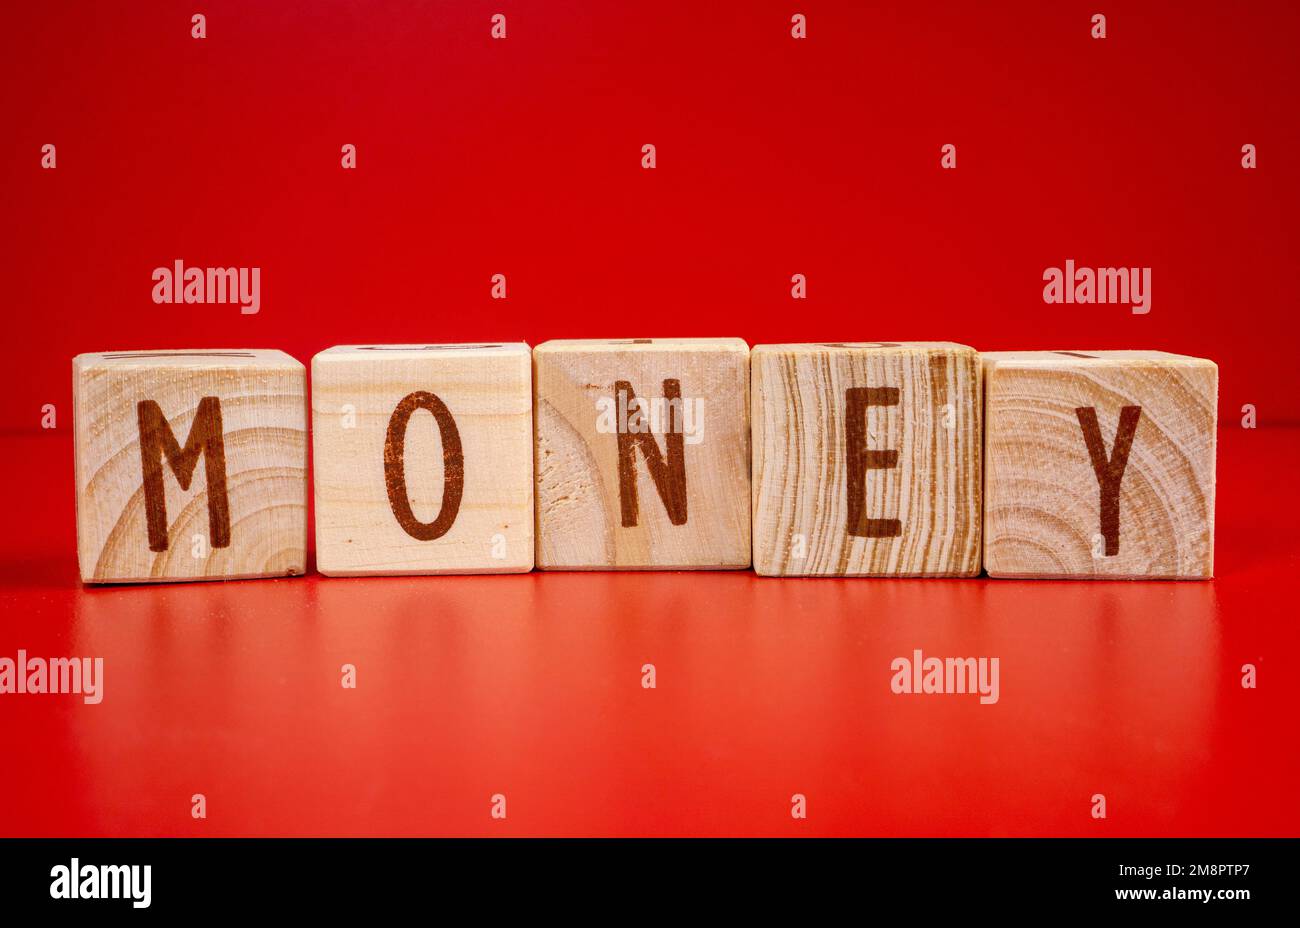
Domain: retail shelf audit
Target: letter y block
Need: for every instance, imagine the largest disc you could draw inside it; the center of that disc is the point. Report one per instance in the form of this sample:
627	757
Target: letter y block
1099	464
190	465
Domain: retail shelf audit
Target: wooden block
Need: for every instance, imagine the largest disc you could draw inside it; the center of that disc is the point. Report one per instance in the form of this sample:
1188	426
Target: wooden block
423	459
1099	464
146	509
866	460
642	453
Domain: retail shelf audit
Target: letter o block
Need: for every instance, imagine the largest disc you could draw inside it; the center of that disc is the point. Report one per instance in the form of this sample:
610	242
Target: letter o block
190	465
642	454
866	460
1099	464
423	459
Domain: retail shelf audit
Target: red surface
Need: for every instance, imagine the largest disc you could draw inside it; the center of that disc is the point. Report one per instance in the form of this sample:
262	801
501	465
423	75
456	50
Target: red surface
776	157
530	686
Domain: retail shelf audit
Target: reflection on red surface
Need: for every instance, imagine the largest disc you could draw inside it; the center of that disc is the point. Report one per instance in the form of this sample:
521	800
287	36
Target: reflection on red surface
530	686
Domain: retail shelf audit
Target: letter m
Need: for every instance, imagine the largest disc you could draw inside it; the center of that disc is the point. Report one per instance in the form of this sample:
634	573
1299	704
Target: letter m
205	440
117	882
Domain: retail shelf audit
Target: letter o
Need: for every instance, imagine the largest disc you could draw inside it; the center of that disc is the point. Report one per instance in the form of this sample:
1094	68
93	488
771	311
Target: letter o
453	462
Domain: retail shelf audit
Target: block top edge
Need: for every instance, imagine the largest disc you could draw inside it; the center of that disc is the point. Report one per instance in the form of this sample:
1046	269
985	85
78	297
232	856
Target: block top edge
817	347
641	344
429	350
1085	358
188	357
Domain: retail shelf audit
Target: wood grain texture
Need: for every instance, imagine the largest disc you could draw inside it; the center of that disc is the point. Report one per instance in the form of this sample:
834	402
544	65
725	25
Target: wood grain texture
697	517
829	498
260	398
1043	499
467	480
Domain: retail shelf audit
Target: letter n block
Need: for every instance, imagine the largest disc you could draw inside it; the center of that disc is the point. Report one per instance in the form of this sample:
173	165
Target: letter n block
1099	464
423	459
642	453
190	465
866	460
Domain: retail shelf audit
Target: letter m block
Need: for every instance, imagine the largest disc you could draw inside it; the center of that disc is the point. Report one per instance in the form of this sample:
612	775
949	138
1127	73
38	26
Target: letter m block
190	465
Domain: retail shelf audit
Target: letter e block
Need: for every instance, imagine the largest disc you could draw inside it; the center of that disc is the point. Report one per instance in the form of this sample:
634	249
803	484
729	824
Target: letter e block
423	459
642	453
1099	464
190	465
866	460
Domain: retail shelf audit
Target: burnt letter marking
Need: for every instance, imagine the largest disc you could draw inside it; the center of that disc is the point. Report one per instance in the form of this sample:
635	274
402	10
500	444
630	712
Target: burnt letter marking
205	438
669	476
861	459
453	466
1109	471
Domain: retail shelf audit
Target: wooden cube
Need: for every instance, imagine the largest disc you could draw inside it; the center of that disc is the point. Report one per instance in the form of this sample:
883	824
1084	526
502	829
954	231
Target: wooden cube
1099	464
642	453
146	509
423	459
866	460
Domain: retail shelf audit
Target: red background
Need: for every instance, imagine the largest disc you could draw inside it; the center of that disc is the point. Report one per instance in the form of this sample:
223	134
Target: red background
775	157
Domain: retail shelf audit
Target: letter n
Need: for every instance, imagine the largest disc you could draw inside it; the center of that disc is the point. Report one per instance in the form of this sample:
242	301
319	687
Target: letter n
453	466
862	459
669	475
206	440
